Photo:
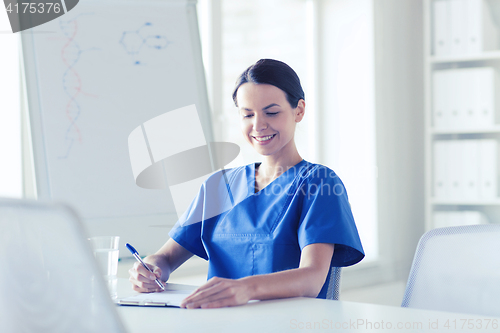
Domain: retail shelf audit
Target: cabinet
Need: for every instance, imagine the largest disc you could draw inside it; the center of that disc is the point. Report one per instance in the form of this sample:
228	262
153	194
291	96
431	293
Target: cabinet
462	104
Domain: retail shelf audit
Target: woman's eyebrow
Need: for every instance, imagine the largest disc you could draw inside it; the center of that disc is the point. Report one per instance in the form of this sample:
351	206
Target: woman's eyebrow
264	108
270	106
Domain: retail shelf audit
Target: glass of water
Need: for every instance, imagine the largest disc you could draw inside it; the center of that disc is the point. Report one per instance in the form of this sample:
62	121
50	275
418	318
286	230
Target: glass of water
106	253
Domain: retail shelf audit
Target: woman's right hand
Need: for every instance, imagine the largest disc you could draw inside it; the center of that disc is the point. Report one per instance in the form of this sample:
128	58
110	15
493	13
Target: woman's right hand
169	257
143	280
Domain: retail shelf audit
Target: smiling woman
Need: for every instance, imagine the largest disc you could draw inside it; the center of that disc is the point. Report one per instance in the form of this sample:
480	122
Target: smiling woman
281	224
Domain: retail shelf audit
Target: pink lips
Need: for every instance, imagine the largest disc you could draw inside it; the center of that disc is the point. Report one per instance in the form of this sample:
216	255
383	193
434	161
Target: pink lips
264	142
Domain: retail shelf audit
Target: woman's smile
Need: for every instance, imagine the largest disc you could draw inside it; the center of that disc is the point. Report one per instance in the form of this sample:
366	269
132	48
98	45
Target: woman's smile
264	140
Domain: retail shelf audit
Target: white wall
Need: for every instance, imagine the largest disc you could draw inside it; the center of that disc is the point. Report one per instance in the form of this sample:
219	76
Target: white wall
400	129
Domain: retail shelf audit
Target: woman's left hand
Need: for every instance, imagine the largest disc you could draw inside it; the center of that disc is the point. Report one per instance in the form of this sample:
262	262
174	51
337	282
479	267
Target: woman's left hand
217	293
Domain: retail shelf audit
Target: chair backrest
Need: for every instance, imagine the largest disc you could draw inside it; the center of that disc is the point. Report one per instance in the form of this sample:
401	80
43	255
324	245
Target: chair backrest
457	269
49	279
333	291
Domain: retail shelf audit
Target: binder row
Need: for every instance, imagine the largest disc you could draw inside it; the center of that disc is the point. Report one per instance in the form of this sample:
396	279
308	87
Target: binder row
457	218
465	98
462	27
466	170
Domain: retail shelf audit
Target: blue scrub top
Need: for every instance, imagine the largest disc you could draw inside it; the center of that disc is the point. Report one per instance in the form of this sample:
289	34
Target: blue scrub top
242	233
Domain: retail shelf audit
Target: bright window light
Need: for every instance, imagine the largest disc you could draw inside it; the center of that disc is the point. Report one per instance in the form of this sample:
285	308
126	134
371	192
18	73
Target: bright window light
10	119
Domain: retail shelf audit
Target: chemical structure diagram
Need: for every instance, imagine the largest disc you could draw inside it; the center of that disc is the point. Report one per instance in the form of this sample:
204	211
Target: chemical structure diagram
135	42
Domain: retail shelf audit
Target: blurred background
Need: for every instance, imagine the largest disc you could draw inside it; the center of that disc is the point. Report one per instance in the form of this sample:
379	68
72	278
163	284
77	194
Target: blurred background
382	81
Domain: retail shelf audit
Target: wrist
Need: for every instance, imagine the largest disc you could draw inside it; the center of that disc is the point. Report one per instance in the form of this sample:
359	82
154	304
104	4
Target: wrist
159	262
252	287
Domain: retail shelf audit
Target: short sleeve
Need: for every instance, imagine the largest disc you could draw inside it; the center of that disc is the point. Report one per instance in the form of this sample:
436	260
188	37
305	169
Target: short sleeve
326	217
213	200
187	230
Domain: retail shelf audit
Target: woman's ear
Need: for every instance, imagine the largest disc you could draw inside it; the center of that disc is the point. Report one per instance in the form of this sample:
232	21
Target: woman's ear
300	110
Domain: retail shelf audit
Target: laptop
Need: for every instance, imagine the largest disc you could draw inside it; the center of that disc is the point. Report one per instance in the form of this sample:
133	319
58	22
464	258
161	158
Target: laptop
49	279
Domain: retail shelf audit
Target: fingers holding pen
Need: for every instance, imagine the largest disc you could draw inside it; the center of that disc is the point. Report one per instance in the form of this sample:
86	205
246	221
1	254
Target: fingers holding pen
142	274
143	280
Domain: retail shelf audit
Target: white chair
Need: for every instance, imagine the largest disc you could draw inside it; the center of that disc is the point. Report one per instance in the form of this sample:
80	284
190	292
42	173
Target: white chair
457	269
333	290
49	279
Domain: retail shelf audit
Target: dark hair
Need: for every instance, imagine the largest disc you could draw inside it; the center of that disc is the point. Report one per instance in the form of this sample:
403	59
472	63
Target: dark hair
276	73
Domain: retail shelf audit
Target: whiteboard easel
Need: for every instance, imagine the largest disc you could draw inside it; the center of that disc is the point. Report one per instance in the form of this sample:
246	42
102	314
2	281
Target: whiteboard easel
92	76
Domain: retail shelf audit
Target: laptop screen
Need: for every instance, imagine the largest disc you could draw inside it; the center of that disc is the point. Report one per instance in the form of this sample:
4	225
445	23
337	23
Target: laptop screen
49	280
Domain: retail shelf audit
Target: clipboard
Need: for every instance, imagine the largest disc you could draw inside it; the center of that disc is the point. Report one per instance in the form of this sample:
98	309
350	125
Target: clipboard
171	297
144	303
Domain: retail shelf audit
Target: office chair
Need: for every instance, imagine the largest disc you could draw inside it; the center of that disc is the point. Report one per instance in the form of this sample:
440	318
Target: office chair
49	279
457	269
333	291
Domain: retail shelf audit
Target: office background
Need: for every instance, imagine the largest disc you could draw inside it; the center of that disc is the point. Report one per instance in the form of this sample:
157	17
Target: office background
365	69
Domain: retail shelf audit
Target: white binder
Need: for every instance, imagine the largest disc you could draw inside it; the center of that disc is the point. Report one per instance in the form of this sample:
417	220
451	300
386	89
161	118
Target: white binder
441	99
455	170
471	217
488	159
457	26
469	167
455	98
441	219
441	23
463	27
461	98
481	32
484	87
474	31
457	218
444	219
470	98
441	182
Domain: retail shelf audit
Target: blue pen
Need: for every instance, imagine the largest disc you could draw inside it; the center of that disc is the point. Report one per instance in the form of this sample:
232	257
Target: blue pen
136	255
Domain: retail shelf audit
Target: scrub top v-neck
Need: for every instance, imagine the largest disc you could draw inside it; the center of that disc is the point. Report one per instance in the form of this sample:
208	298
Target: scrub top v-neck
242	232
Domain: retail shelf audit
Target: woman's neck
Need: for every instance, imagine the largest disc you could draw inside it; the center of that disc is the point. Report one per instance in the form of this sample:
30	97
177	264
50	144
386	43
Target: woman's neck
272	167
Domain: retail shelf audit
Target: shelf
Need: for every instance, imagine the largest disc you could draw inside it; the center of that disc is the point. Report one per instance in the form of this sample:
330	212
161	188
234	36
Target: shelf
493	129
457	131
490	55
491	202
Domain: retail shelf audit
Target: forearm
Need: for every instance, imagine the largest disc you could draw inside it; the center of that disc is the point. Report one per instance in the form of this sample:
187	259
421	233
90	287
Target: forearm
168	258
307	280
299	282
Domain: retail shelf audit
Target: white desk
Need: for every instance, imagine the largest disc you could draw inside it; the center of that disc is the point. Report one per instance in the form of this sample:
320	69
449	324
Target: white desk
301	315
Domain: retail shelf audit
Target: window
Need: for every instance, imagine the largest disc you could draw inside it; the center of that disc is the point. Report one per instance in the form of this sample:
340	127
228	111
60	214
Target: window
348	108
10	115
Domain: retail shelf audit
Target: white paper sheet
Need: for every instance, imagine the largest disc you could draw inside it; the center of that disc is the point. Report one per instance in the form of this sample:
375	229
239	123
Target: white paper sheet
169	297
